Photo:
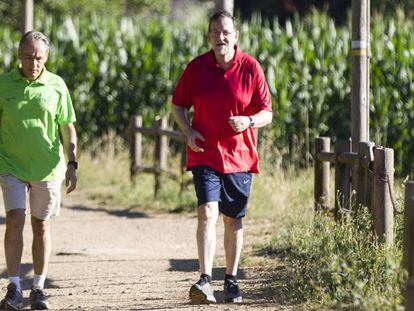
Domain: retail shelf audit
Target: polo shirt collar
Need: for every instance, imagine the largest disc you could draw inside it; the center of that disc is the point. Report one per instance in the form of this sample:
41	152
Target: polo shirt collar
236	57
42	79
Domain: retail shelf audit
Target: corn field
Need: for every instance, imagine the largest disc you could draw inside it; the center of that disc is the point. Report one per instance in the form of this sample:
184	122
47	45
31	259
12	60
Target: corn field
117	68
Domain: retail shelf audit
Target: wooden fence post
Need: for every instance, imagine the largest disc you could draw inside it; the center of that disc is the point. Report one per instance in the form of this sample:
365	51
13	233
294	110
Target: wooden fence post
135	147
163	144
364	190
161	150
342	178
321	182
408	259
382	208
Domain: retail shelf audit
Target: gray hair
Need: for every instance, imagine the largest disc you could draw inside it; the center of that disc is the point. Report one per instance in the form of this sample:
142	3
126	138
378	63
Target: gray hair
32	36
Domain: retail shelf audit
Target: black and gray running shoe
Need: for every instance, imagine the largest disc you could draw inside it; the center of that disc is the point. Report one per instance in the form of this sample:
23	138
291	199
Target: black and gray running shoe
38	299
13	299
202	293
231	291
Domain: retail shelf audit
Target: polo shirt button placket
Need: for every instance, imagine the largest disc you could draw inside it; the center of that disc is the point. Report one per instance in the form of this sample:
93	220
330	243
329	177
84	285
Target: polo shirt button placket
27	90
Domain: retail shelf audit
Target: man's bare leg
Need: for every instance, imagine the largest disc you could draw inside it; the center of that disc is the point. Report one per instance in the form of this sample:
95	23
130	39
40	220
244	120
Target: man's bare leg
42	245
206	236
233	242
13	240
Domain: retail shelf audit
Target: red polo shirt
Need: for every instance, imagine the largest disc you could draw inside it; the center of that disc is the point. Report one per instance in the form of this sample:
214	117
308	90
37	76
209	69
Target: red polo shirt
216	95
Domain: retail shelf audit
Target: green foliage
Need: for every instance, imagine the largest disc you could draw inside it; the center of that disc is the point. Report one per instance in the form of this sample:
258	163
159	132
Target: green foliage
119	67
342	266
10	11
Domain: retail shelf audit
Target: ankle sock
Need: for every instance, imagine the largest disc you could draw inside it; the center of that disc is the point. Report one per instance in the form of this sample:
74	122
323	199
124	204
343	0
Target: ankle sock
16	280
39	281
230	277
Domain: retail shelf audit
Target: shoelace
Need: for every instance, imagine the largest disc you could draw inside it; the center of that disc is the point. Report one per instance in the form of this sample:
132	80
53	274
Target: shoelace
39	294
232	286
11	293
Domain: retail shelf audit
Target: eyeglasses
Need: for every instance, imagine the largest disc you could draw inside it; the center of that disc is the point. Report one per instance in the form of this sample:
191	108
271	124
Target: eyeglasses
225	33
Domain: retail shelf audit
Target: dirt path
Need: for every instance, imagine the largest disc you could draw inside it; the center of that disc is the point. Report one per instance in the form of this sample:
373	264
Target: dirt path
109	259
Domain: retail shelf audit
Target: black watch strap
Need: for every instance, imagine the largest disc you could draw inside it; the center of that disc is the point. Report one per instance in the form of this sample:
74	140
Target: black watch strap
74	163
251	124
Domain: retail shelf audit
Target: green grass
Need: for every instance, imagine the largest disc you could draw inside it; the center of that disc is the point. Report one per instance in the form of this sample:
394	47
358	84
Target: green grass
105	176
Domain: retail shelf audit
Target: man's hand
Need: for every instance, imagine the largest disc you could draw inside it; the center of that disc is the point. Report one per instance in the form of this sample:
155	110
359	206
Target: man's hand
71	178
191	140
239	123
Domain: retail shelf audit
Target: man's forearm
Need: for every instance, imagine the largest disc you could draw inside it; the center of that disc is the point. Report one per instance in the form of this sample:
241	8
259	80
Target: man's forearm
262	118
180	116
69	140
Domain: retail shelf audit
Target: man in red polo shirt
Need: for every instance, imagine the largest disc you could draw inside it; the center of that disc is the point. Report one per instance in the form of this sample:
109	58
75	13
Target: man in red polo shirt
228	92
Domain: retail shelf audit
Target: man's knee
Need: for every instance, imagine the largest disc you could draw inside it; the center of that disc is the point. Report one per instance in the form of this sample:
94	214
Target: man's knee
40	227
15	219
233	224
208	211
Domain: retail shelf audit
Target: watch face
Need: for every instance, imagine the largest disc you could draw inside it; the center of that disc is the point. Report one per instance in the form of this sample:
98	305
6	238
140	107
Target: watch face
74	164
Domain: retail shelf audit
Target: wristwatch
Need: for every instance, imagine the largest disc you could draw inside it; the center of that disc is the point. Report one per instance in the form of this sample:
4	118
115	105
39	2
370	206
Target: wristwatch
74	163
251	124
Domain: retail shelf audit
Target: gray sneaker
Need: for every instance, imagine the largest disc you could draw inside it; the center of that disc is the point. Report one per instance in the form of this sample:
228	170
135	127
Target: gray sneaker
231	291
13	299
38	299
202	293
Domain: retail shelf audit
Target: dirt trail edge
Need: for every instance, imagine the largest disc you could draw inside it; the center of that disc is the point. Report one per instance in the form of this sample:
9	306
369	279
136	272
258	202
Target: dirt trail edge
112	259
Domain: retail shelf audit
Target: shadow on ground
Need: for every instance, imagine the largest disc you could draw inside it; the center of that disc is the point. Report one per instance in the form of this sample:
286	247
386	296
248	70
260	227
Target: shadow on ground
267	285
191	265
128	213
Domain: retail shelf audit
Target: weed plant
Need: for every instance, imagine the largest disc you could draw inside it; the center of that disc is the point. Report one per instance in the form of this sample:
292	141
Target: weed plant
341	264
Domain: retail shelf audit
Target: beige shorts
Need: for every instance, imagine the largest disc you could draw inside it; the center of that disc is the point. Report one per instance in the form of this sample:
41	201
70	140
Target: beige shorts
43	196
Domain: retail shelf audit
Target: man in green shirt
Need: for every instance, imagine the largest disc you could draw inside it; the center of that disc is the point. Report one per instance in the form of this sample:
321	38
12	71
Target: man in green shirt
36	131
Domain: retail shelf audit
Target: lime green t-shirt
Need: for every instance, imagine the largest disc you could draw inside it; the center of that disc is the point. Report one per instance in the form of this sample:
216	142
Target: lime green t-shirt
30	114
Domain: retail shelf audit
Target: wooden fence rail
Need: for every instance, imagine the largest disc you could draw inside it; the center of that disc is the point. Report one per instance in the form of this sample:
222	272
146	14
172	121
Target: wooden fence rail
162	134
372	183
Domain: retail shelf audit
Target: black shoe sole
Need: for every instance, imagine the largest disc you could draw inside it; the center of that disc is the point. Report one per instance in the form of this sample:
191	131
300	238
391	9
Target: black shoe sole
198	297
39	306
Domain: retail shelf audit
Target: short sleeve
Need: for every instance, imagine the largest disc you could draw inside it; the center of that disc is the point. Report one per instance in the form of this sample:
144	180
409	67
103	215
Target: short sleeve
182	92
261	96
66	112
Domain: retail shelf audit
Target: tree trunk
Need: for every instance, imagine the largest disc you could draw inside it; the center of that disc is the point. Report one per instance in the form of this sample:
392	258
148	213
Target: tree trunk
27	16
227	5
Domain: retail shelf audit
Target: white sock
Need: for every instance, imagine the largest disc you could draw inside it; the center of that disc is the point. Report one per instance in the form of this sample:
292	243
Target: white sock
16	280
39	281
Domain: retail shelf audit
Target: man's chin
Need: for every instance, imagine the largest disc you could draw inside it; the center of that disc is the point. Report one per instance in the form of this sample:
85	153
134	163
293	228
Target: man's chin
221	51
31	76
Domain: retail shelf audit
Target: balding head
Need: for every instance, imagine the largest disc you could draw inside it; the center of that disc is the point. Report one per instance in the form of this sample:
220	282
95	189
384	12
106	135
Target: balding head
33	54
30	37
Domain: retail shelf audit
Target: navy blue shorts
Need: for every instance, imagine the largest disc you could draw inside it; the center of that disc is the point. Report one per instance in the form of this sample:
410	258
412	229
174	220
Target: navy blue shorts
232	190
